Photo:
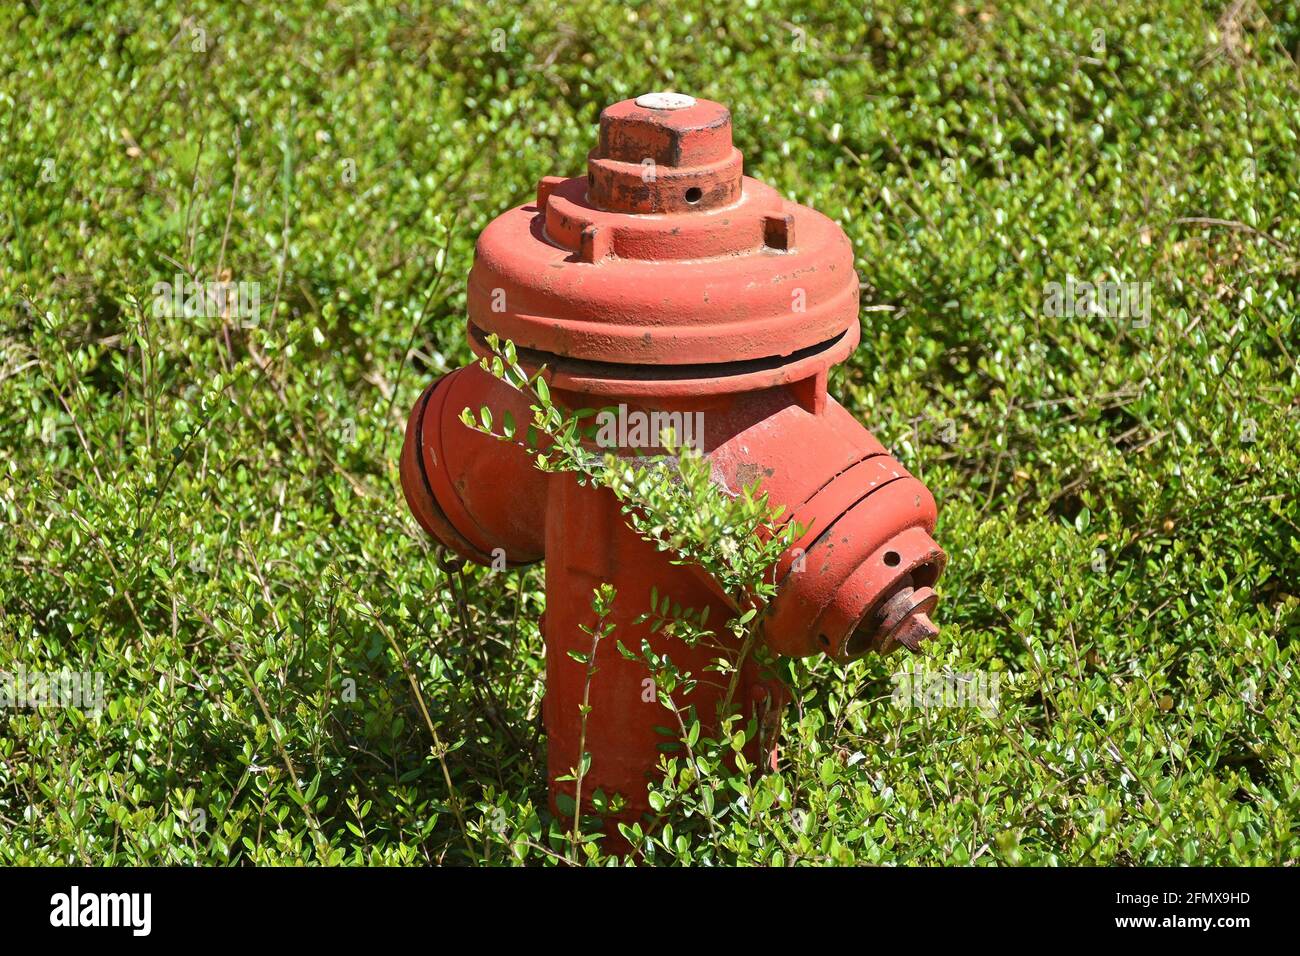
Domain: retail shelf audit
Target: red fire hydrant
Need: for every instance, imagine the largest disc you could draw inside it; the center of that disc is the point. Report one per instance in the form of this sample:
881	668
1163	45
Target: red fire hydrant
666	281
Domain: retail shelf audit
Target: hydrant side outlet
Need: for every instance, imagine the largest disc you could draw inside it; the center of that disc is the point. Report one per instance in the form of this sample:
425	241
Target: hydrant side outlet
667	282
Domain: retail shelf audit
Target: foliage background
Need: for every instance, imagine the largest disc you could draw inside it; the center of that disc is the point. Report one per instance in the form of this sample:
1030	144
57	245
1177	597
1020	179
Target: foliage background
210	515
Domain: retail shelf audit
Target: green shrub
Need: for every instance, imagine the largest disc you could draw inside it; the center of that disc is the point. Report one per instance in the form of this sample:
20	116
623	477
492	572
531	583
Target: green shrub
209	516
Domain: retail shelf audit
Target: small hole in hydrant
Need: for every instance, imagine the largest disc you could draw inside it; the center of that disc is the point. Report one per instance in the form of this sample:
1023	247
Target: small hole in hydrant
826	641
693	194
892	558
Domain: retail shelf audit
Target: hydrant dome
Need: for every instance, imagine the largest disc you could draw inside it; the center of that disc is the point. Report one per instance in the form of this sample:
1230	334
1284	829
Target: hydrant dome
664	254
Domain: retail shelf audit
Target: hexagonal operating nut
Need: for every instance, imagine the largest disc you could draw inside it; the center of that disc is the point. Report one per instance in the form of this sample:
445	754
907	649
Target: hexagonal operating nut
689	135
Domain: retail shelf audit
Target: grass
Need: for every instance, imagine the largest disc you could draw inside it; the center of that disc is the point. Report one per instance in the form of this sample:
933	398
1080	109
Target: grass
209	515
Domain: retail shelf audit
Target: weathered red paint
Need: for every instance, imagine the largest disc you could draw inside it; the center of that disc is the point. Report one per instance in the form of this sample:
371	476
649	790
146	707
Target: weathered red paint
694	289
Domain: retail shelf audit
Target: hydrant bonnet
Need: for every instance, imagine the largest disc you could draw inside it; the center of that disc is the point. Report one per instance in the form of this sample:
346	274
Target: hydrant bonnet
666	262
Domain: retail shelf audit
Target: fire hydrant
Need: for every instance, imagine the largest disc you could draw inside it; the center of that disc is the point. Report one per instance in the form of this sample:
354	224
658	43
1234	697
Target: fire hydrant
666	281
